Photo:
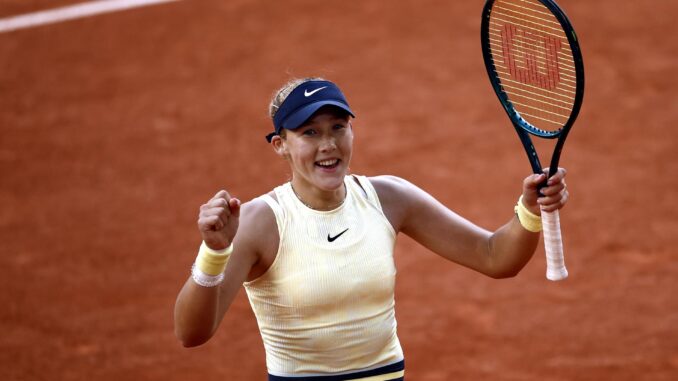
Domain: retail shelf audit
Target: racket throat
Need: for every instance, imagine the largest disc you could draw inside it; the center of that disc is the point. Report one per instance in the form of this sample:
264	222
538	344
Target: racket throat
530	150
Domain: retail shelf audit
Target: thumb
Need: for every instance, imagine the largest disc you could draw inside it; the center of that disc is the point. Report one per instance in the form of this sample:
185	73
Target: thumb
234	205
531	190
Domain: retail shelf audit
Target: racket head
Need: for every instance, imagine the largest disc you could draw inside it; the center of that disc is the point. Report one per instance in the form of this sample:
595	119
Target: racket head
534	63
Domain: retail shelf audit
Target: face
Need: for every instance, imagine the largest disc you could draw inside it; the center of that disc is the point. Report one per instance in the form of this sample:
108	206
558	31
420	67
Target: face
319	152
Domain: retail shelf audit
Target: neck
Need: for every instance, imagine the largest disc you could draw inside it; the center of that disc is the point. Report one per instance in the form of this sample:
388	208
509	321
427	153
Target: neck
320	200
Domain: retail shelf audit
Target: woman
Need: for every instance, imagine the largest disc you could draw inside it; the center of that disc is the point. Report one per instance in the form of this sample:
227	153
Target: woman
316	254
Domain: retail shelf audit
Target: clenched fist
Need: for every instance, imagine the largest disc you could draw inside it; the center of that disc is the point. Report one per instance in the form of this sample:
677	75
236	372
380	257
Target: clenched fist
218	220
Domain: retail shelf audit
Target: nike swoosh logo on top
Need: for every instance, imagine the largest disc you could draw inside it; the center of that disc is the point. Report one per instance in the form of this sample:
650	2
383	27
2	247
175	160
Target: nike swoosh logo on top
309	93
331	239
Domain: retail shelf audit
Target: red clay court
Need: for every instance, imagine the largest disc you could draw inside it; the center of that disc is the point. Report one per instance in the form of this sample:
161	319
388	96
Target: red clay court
115	128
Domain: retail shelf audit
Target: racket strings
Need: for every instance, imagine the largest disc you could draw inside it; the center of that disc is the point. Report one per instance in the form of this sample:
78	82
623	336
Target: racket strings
567	79
533	62
547	26
497	39
527	47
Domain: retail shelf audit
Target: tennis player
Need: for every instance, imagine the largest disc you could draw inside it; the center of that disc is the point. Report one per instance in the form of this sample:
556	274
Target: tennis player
315	255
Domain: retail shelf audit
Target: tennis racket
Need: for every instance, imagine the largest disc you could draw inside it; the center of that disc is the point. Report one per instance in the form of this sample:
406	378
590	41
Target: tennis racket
533	59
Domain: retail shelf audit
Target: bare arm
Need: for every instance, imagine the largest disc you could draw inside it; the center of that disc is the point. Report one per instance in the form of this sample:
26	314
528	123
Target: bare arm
499	254
199	310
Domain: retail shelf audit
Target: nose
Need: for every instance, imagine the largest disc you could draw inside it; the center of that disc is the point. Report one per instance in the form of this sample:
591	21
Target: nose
328	144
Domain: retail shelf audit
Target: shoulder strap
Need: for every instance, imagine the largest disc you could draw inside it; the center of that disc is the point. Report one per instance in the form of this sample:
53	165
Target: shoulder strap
278	211
372	196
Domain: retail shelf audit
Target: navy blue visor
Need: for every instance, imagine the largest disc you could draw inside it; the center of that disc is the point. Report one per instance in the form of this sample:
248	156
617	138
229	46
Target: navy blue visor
305	100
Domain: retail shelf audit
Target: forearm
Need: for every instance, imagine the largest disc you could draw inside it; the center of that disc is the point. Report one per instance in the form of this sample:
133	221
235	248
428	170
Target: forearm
205	297
196	313
510	248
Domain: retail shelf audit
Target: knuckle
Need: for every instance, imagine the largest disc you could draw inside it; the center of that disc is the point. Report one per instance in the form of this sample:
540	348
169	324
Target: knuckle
203	225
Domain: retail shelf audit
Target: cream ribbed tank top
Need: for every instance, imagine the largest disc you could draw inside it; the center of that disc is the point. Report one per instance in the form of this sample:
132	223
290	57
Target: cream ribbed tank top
326	304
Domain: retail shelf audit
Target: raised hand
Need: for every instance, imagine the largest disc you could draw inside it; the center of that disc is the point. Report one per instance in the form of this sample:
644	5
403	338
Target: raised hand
218	220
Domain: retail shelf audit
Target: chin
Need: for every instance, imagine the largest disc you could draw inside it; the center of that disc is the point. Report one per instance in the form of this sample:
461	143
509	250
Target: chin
331	181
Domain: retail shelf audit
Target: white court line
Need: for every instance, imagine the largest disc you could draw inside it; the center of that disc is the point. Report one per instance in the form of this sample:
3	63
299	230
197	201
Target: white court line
72	12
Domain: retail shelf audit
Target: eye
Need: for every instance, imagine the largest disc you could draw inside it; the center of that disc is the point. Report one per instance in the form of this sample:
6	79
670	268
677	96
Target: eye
309	132
339	126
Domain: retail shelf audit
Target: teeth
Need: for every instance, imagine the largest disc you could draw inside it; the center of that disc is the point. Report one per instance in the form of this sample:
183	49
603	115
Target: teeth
327	163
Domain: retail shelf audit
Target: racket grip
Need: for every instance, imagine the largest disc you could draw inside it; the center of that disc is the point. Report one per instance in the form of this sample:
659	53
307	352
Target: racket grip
553	245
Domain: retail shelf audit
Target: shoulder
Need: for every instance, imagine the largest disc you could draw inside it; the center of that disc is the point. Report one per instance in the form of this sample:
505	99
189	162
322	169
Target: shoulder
396	196
257	222
258	233
388	181
391	188
257	212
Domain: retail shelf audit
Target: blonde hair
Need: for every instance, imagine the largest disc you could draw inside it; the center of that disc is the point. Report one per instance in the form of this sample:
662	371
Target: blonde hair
282	94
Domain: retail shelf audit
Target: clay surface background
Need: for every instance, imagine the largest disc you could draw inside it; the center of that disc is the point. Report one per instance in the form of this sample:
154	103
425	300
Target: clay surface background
115	128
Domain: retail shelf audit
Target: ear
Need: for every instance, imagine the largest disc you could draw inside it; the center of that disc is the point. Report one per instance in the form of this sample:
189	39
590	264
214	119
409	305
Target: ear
280	146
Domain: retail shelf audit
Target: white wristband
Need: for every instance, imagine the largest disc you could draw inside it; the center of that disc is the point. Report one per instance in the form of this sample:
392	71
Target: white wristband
206	280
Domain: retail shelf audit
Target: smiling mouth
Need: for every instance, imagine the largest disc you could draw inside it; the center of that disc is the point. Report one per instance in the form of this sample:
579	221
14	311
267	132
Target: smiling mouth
328	164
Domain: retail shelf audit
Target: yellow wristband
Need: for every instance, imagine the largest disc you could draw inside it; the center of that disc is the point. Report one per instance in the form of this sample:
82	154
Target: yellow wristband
528	220
212	262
